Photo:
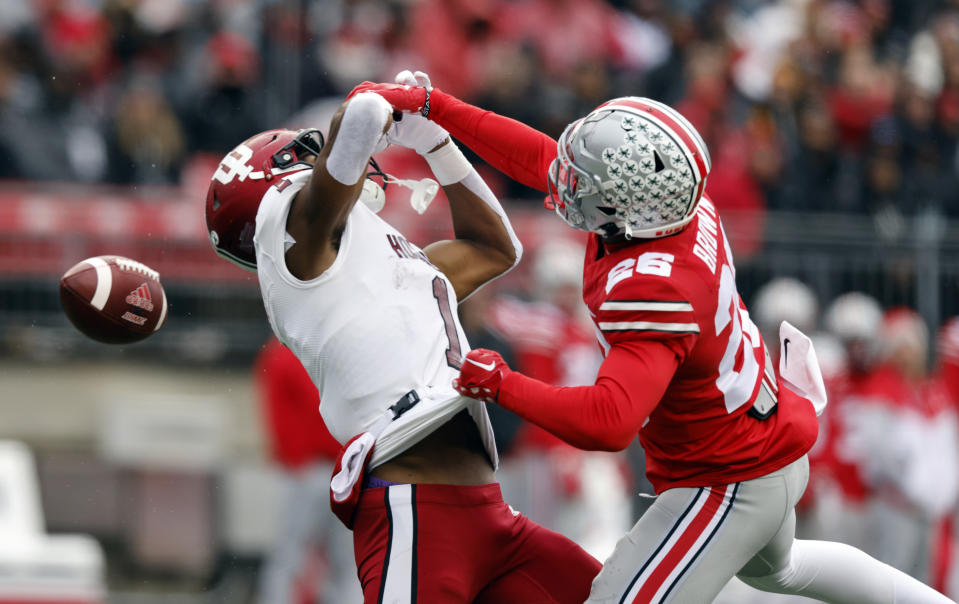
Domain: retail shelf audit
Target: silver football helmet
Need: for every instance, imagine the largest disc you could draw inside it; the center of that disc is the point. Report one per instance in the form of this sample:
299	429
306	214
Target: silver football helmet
632	167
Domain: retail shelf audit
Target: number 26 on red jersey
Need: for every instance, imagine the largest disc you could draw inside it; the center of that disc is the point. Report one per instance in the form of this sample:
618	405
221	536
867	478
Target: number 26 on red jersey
736	386
675	317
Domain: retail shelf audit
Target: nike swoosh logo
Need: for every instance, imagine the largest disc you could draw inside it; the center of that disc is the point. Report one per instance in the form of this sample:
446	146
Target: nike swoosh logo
486	366
786	351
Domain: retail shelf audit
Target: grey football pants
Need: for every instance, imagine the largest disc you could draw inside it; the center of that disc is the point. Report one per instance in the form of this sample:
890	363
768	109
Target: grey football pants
692	541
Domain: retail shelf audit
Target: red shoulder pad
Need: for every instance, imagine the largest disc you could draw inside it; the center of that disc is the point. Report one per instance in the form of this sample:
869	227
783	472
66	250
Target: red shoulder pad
647	307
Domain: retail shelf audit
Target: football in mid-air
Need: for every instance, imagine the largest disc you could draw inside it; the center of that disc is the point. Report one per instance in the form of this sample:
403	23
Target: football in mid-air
113	299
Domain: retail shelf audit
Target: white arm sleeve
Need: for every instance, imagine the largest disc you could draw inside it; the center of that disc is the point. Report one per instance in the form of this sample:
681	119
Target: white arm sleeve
450	166
361	129
475	183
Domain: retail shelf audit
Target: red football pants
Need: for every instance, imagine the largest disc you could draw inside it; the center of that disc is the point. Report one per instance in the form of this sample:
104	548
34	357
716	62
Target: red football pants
439	544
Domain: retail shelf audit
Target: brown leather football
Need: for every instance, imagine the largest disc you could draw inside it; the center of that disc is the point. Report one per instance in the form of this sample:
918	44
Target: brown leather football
113	299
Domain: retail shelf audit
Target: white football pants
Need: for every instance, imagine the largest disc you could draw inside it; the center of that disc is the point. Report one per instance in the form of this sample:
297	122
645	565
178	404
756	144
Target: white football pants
692	541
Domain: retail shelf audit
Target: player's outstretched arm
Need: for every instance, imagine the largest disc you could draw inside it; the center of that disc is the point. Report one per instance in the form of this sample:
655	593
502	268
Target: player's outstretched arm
485	246
605	416
515	149
318	215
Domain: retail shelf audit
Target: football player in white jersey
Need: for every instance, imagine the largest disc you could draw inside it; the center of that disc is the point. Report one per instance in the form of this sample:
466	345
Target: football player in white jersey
372	317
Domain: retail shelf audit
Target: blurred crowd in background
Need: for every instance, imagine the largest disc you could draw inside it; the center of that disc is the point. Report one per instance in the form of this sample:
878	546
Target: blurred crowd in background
806	105
885	468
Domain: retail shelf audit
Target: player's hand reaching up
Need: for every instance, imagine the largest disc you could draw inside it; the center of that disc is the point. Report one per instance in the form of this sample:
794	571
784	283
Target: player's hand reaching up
407	96
481	375
414	79
403	98
417	133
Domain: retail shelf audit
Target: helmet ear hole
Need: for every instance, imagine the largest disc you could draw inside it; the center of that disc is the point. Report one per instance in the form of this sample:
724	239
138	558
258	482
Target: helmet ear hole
606	210
216	201
660	165
284	159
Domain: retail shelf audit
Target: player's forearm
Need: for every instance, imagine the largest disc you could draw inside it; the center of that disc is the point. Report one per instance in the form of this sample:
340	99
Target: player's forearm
478	217
365	119
355	132
522	153
607	415
596	418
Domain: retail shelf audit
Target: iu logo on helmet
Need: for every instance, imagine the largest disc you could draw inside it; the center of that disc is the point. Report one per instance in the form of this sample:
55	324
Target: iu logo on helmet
234	164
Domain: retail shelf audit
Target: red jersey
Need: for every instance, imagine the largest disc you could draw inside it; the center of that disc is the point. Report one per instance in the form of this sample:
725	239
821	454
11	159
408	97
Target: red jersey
666	309
291	409
681	291
858	401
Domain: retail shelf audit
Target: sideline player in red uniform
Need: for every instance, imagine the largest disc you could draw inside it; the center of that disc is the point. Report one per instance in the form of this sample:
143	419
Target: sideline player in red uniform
685	367
303	451
372	318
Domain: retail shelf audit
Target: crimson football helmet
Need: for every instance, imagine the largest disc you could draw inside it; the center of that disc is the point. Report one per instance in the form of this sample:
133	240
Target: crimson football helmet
241	180
632	167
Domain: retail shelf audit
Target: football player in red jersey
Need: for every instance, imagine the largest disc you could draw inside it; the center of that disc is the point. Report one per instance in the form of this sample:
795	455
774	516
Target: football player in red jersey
303	451
685	367
946	571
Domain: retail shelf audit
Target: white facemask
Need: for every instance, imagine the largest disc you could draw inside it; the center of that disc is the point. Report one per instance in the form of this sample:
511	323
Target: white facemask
422	195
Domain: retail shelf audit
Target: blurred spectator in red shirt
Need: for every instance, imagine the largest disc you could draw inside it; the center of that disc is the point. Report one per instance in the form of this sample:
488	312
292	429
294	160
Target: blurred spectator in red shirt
746	164
904	447
947	348
311	536
79	39
863	93
454	39
565	33
945	571
291	407
842	488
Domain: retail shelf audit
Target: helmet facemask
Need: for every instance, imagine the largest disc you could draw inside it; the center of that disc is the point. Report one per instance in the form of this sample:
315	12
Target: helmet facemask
307	142
570	182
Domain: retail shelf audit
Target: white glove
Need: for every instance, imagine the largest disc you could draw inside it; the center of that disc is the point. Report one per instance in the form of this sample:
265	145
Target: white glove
417	133
416	79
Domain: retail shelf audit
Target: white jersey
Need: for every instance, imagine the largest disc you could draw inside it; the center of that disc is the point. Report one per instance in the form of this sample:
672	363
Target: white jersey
381	321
